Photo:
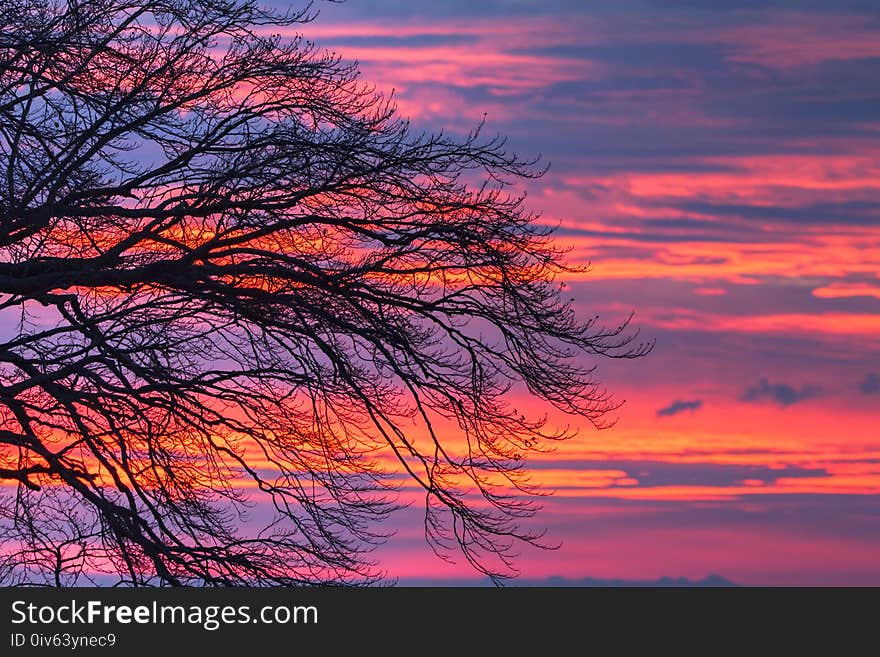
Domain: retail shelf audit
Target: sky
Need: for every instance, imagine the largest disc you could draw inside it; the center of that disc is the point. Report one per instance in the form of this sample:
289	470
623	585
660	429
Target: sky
717	165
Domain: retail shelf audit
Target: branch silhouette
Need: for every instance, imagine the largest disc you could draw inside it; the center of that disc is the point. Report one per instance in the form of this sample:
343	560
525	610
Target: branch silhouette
244	303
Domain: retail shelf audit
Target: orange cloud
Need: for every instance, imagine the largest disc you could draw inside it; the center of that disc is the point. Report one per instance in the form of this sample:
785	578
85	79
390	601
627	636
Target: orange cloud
845	290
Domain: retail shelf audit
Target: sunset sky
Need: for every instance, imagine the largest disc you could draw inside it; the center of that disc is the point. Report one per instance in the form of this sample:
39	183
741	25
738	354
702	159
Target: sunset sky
718	164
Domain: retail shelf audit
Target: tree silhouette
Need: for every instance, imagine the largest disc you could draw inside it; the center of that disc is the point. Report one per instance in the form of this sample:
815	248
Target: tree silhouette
243	303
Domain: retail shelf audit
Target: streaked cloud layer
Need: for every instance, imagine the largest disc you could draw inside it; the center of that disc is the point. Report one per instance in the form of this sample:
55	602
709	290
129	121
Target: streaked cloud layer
718	164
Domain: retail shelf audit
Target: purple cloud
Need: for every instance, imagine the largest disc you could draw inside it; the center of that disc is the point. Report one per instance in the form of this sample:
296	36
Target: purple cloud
780	393
870	385
679	406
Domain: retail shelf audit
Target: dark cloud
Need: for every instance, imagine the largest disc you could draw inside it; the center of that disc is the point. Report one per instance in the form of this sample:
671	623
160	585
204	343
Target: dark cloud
859	213
870	385
780	393
585	163
634	141
680	406
807	514
711	10
817	6
653	237
772	296
406	41
731	356
697	56
409	10
651	474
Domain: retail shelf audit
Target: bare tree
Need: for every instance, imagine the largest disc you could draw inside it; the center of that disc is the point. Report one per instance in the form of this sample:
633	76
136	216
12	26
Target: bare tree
243	303
50	539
